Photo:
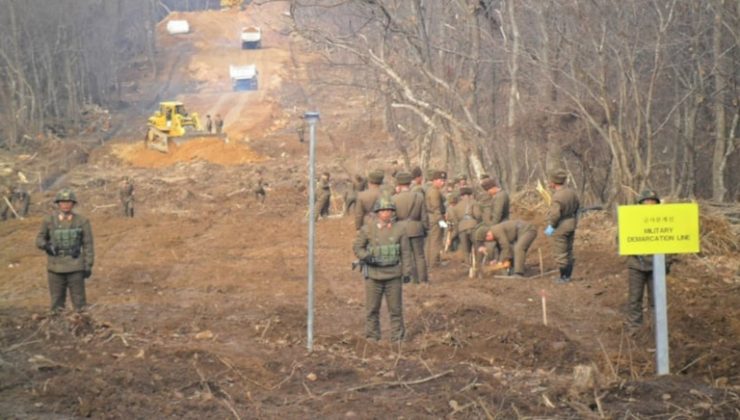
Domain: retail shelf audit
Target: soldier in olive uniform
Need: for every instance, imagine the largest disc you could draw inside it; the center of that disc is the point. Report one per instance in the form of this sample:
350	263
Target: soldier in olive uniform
259	191
417	185
464	217
219	124
561	223
436	213
21	200
411	210
366	199
6	197
323	199
126	194
384	248
495	204
511	240
640	276
68	241
350	196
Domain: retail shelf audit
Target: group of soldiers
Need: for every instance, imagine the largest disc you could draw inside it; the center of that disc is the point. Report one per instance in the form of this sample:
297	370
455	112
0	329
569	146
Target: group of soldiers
404	230
217	123
14	202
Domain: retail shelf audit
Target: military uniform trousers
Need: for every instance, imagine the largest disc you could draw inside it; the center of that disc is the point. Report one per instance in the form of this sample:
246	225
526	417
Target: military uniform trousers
58	285
465	239
521	246
374	291
638	281
350	200
562	242
322	204
419	267
434	243
128	207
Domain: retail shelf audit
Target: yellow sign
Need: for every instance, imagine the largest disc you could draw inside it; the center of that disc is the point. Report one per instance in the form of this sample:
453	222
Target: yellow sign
658	229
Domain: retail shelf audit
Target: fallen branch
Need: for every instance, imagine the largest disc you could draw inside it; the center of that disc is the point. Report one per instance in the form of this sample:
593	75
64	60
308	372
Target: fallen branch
390	384
11	208
233	193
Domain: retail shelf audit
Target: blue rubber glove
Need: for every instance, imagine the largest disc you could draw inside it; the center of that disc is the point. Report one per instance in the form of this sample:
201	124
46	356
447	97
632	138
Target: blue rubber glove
549	230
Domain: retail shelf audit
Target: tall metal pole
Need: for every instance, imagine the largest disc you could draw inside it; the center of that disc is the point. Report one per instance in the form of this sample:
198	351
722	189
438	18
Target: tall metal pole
661	315
311	118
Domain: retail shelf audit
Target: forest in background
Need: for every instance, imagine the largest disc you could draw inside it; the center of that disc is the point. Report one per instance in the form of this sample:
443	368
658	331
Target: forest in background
624	94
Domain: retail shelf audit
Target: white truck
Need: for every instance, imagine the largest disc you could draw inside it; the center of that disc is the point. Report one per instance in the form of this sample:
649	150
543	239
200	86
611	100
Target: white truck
176	27
251	38
244	77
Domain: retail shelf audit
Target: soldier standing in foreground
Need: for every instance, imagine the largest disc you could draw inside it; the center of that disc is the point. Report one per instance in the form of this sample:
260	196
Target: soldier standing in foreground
561	223
384	248
126	194
366	199
323	200
411	211
640	276
68	241
436	213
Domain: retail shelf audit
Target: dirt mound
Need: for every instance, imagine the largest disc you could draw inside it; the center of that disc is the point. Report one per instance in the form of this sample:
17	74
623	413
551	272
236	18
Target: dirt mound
209	150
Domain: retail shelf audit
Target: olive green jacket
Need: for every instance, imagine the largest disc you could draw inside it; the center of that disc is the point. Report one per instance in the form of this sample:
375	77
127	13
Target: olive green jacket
495	209
411	209
564	209
376	235
66	263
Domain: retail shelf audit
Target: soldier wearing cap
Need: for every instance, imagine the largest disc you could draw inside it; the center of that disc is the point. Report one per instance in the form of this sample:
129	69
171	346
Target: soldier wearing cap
510	240
21	200
495	203
436	214
384	248
357	185
126	195
561	223
463	218
411	211
417	185
640	273
323	199
366	199
68	241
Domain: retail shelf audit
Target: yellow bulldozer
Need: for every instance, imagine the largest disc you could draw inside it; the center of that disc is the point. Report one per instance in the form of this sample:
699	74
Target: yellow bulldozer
172	122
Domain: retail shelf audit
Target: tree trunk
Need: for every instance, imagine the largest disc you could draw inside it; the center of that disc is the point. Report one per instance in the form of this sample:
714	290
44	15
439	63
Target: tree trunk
720	126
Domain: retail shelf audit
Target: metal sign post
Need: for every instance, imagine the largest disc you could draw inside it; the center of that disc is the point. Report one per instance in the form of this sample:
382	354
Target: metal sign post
311	118
661	315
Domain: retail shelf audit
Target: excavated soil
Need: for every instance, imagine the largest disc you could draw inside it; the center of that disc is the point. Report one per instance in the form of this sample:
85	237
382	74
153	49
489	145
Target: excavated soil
199	302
